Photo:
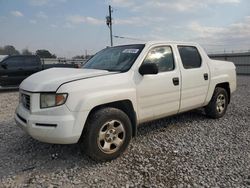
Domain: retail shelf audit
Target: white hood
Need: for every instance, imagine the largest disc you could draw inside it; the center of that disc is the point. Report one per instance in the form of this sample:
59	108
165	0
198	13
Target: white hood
49	80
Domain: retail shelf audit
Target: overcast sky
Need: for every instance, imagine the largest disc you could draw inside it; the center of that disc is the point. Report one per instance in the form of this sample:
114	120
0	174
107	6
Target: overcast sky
69	27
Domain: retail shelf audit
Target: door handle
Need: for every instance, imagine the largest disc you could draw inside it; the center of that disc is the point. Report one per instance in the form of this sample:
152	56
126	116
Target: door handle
176	81
205	76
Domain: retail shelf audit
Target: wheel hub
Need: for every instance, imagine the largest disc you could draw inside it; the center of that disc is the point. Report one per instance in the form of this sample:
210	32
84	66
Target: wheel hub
220	103
111	136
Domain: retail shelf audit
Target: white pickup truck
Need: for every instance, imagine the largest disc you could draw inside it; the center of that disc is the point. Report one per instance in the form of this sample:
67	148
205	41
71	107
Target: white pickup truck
101	105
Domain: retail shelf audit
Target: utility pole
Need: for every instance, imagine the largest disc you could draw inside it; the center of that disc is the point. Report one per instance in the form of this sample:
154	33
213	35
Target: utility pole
109	24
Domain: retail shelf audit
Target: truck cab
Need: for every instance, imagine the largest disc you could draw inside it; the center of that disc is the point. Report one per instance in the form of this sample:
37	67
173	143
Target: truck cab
14	69
102	104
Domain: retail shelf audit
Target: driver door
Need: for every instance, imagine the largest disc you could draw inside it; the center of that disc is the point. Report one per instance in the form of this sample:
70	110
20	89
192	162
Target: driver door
159	95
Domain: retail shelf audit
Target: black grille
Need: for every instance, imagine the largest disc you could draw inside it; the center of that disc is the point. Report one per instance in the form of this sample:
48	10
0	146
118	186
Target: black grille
25	100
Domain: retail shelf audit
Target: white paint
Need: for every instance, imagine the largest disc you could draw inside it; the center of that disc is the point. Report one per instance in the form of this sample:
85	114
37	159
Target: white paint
152	96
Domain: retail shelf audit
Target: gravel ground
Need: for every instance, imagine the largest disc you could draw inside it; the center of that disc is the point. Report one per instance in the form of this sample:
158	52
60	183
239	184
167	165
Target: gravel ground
187	150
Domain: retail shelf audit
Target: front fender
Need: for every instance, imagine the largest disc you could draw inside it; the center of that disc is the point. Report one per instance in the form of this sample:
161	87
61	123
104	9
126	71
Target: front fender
88	101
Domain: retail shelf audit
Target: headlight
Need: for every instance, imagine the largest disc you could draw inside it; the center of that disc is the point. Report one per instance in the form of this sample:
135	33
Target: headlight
52	99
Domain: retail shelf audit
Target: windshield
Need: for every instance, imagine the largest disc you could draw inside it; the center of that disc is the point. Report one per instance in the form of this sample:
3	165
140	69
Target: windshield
119	58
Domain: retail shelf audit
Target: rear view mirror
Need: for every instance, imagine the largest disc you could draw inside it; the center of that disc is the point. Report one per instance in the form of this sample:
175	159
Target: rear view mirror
148	68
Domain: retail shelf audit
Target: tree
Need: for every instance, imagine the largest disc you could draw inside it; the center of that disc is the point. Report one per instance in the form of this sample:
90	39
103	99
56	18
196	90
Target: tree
9	50
26	52
45	54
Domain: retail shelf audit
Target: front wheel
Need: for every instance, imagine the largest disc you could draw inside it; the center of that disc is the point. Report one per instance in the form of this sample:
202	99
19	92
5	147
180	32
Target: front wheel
218	105
107	134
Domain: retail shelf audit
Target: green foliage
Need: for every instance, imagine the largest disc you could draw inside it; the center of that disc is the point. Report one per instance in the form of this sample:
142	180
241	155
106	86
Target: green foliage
26	52
45	54
9	50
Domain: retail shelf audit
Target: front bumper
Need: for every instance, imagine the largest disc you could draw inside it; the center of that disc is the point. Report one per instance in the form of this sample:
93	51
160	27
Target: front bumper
52	127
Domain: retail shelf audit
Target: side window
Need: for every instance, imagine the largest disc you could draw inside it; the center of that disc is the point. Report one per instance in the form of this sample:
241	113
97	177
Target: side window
190	57
162	56
14	62
31	61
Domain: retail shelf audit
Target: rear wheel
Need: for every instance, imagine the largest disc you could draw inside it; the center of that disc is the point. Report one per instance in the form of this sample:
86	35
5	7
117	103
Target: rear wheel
107	134
218	105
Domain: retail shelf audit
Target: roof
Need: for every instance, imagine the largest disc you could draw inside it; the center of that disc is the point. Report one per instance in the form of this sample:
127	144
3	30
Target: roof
171	42
149	43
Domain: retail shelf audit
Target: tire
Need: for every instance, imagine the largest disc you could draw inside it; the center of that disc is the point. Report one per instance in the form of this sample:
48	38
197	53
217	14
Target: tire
107	134
218	104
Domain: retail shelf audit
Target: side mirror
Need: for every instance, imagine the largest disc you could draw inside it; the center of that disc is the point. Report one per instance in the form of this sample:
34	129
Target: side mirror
148	68
4	65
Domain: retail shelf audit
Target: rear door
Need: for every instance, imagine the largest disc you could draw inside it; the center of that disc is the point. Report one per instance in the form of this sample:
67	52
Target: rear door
159	95
194	76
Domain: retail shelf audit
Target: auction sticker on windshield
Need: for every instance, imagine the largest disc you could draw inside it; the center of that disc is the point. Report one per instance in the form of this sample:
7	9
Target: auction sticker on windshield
130	51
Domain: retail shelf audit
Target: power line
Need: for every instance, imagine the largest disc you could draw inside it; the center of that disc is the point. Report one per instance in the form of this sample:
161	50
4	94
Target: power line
129	38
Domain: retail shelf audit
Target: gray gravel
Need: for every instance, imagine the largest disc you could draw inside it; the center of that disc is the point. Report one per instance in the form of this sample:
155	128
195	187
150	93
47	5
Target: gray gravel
187	150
